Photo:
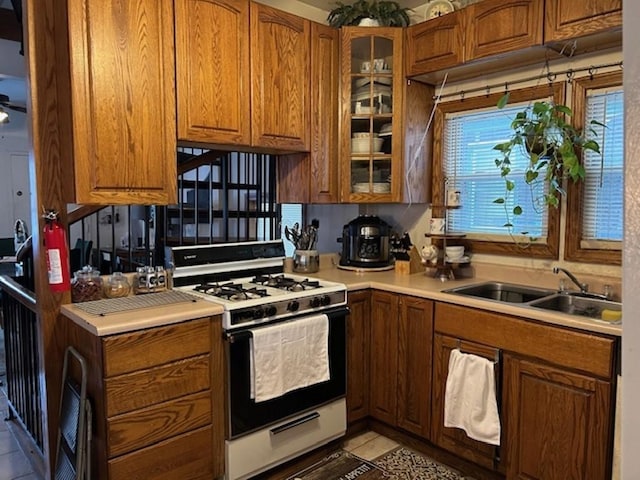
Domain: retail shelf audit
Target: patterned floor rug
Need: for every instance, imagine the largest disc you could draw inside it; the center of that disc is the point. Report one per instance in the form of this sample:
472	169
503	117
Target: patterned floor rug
342	466
404	464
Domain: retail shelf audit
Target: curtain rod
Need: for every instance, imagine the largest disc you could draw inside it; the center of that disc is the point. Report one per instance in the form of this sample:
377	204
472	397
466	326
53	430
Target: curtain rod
551	76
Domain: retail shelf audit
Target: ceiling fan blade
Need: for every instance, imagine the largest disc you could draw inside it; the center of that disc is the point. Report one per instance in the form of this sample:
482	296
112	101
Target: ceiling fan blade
17	108
5	102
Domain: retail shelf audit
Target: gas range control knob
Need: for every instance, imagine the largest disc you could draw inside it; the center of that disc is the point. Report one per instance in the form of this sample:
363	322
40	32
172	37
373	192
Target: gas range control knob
325	300
293	306
258	313
271	311
314	302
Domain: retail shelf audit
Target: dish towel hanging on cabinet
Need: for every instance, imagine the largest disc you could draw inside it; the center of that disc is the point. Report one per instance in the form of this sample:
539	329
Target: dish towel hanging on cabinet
289	356
470	397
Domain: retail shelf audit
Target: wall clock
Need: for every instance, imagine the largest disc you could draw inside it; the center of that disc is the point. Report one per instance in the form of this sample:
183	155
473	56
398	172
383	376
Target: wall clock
437	8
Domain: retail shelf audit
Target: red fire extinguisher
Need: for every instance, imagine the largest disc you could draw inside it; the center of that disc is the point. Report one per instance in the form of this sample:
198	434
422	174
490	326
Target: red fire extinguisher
56	248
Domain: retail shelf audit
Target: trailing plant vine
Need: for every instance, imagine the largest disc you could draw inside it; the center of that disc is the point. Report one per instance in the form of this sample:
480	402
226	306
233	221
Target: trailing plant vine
543	133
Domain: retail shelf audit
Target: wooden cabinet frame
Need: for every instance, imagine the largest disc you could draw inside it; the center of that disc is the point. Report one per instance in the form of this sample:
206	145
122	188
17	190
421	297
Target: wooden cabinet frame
122	92
401	353
554	381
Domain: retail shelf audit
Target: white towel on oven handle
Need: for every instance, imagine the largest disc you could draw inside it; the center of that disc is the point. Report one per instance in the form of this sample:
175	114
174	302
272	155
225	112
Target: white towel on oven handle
288	356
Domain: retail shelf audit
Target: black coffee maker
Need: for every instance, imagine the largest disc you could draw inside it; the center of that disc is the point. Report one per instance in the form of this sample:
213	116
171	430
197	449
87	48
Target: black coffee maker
365	243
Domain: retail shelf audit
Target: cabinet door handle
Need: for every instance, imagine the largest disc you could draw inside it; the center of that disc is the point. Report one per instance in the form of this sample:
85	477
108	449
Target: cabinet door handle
294	423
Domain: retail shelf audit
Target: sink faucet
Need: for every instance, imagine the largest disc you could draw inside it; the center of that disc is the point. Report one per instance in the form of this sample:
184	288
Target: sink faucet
584	288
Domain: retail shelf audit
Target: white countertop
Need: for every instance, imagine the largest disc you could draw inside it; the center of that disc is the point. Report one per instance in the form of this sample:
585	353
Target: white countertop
418	284
128	321
421	285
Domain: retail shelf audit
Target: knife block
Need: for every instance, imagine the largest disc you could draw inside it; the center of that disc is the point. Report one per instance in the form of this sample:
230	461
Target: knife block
413	265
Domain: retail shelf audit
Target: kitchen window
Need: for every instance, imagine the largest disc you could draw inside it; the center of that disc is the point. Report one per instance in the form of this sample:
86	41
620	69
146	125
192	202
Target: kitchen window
469	165
469	129
595	206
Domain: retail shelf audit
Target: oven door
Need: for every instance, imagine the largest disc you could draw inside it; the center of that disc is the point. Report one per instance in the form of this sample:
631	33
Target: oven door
246	415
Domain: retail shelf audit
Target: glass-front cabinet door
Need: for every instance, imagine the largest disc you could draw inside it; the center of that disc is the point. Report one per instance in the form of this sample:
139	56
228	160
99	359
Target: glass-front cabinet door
371	107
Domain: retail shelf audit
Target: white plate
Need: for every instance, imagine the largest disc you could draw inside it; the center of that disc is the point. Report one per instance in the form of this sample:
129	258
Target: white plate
377	89
384	70
367	95
376	187
361	82
464	259
382	187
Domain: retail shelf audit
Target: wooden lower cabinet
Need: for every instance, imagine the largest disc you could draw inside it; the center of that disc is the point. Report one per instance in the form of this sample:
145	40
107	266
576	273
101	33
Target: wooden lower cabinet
555	394
558	422
358	328
455	440
383	371
400	361
158	401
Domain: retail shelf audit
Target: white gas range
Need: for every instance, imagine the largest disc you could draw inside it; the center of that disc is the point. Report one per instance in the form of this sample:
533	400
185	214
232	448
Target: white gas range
247	279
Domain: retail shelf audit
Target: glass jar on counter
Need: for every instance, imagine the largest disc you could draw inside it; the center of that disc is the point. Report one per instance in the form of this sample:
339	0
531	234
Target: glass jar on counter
117	286
86	285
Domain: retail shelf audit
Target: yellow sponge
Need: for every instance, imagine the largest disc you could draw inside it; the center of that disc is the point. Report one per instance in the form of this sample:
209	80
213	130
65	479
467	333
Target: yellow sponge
611	315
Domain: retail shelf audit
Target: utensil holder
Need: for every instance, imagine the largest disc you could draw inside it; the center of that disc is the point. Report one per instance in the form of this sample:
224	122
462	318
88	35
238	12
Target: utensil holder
306	261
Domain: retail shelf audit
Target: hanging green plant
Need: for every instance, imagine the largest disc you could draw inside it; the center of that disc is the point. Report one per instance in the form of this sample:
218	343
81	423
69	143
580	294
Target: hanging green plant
553	146
387	13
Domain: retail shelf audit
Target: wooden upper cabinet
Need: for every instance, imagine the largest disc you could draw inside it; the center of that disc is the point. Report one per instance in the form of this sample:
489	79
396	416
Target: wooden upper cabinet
325	82
496	27
483	29
213	72
390	159
123	101
435	44
280	72
567	19
313	177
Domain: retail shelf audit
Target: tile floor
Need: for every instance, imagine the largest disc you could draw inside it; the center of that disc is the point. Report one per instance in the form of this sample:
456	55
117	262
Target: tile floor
14	464
369	445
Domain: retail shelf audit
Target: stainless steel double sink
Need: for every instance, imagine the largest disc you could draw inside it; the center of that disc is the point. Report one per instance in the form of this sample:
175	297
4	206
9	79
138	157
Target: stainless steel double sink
569	302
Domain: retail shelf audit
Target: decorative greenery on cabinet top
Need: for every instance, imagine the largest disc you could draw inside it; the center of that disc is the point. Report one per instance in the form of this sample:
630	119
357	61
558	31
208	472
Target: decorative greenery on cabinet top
386	13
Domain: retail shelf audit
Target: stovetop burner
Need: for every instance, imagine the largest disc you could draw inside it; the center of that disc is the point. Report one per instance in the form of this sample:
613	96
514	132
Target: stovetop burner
248	281
286	283
231	291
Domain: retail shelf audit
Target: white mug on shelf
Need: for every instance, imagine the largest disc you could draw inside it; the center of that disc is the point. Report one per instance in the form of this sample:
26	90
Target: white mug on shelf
454	197
436	226
365	67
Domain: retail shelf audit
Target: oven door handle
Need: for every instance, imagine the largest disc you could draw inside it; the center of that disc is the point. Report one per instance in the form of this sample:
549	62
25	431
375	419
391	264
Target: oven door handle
294	423
242	335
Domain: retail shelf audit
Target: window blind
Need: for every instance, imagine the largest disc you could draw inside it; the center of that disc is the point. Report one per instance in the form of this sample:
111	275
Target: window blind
291	213
469	165
603	187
